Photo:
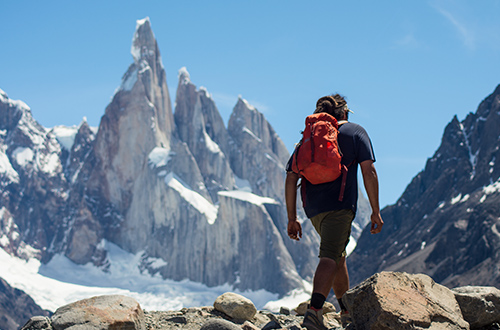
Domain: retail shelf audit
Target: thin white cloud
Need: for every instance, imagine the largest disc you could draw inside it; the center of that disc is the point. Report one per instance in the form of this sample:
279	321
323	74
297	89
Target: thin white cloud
407	41
466	34
261	107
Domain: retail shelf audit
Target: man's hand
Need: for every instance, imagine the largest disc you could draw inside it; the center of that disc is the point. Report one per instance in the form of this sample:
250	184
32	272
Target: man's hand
294	229
377	223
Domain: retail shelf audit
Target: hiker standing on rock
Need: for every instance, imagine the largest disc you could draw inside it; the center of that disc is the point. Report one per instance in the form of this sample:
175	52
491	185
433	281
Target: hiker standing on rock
330	204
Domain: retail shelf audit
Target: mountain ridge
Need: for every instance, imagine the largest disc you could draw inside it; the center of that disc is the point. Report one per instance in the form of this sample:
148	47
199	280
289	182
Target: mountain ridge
445	224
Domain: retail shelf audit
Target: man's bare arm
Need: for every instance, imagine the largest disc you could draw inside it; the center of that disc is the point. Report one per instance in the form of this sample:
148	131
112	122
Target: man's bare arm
370	180
294	226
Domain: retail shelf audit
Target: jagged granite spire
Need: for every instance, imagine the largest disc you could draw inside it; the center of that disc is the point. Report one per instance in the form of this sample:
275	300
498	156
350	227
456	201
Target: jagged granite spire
446	222
144	43
201	127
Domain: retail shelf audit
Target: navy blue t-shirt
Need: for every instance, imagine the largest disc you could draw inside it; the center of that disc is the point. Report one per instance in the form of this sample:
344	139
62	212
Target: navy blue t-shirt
356	147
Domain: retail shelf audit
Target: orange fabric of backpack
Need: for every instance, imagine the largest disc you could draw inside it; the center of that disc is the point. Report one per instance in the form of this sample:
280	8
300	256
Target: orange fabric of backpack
317	156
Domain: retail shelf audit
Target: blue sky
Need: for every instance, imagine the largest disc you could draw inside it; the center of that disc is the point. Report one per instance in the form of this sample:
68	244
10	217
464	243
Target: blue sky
406	67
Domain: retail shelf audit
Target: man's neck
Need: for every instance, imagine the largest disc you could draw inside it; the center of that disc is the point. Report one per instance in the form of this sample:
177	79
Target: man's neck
341	122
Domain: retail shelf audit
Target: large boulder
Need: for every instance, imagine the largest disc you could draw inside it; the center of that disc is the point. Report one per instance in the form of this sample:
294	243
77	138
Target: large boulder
480	305
392	300
235	306
100	313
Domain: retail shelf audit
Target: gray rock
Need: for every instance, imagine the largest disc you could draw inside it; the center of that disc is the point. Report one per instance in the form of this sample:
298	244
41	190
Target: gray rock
285	310
219	324
391	300
38	323
249	326
328	307
102	312
271	325
235	306
480	305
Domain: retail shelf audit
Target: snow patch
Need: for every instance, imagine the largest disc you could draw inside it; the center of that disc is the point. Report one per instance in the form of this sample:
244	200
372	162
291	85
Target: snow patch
65	135
247	130
492	188
495	230
472	156
456	199
272	159
248	105
205	92
61	282
247	197
459	198
350	246
159	157
129	80
6	167
211	145
50	164
184	74
291	300
13	103
23	156
156	263
196	200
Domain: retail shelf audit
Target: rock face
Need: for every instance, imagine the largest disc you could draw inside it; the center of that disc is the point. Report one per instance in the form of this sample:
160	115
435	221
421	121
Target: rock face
16	307
180	189
446	222
403	301
33	186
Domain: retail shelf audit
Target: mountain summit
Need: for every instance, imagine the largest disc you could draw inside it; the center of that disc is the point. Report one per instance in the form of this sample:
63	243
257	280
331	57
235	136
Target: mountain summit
446	224
189	197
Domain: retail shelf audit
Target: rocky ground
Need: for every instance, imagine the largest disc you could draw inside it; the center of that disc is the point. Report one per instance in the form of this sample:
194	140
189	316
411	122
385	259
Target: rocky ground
387	300
195	318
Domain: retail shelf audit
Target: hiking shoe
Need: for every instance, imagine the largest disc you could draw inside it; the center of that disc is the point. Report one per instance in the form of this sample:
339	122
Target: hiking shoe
346	320
313	320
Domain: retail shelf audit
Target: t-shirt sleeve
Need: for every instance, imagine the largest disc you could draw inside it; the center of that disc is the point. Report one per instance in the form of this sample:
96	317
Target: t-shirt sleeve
364	148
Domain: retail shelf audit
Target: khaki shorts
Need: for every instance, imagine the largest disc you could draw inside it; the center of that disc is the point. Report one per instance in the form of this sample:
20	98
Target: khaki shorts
334	228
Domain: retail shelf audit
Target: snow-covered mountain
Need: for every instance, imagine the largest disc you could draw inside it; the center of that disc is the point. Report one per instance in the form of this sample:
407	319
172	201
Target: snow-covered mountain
176	195
447	222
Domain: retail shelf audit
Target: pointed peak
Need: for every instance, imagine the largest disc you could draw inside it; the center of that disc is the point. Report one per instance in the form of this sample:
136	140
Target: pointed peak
14	103
204	91
184	76
244	103
143	43
143	21
83	122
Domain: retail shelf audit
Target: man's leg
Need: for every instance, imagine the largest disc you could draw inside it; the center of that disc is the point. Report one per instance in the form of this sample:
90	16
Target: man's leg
330	275
334	228
341	279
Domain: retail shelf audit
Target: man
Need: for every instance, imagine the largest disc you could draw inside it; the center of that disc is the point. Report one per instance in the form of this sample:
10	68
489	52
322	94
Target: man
332	218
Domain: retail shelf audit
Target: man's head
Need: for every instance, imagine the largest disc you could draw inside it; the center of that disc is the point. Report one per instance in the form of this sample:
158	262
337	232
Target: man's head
334	105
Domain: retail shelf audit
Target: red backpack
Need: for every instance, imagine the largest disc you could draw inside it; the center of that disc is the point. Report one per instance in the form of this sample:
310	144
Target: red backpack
317	156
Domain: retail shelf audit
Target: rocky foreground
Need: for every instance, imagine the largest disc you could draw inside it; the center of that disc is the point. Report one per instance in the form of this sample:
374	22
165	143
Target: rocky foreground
387	300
